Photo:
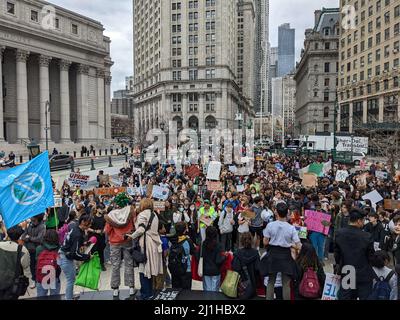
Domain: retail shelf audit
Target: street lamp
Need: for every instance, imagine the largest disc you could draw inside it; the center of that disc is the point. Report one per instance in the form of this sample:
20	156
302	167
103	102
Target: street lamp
47	110
163	127
34	149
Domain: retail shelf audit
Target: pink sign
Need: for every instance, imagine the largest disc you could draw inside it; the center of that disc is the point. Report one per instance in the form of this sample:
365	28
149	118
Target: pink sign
314	221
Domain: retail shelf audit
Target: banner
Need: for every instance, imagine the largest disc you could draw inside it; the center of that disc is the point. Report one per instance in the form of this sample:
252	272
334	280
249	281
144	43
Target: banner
310	180
26	190
160	193
109	191
359	145
314	221
341	175
214	186
214	170
389	204
374	196
331	287
77	179
381	175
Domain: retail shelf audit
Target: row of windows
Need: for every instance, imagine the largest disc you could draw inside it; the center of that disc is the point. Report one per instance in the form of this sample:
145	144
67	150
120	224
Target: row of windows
194	39
370	87
193	74
210	50
192	4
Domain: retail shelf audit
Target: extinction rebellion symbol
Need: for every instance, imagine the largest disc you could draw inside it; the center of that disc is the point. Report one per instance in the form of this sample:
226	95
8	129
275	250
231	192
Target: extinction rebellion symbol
27	189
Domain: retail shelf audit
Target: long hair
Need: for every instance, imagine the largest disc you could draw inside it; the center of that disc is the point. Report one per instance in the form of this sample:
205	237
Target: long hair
308	257
211	238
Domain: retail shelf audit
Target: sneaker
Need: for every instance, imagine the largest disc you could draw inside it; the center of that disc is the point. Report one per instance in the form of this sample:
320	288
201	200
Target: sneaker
33	284
116	293
132	291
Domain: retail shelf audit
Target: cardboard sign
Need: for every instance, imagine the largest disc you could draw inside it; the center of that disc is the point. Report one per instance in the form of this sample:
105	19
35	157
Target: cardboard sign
310	180
77	179
193	171
381	175
302	232
214	170
109	191
214	186
374	196
314	219
160	193
159	205
389	204
341	175
331	287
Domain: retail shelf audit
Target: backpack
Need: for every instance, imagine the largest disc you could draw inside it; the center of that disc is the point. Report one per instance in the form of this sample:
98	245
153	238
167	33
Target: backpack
381	289
309	285
177	262
45	258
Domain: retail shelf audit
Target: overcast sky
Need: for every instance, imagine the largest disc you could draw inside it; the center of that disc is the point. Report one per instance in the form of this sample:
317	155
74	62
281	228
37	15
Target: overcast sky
116	16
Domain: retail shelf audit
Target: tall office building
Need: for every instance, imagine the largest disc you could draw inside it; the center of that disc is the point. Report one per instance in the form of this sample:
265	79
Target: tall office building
286	50
191	63
369	67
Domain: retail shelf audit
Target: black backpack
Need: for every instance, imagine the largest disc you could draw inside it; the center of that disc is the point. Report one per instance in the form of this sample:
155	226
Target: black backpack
177	260
381	289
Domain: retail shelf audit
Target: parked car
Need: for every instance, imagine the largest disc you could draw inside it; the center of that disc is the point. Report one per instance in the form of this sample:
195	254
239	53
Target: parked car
60	161
357	157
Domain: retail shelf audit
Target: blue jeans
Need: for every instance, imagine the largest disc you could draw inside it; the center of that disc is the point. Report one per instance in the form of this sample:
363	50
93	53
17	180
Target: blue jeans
41	292
68	267
146	287
318	242
211	283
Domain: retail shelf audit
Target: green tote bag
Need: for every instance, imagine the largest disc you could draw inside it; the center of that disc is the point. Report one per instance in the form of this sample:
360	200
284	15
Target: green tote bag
89	273
230	285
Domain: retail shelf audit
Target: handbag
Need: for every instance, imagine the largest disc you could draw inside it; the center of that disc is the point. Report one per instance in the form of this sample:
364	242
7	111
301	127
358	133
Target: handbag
230	285
137	255
245	288
20	283
89	273
201	263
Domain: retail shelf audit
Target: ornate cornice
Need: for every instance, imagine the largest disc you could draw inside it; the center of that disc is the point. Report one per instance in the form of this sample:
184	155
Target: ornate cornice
44	61
64	65
21	55
83	69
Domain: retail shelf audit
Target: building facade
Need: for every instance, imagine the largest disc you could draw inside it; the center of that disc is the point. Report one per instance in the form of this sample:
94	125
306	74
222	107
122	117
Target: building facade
286	49
188	65
317	75
129	83
369	66
54	59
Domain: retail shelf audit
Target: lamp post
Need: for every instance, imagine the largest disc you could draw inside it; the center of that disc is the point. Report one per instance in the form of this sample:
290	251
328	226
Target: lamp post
47	110
163	127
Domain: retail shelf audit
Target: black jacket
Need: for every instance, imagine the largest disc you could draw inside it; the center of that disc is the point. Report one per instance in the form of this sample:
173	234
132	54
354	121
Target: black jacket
249	258
354	247
73	245
392	244
212	260
377	231
299	276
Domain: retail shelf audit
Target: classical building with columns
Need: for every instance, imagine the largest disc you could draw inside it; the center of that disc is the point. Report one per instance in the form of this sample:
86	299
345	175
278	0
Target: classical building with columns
192	65
58	60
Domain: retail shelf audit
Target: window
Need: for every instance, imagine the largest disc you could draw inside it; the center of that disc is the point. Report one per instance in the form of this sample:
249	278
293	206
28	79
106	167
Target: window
387	34
370	27
10	7
193	50
326	96
387	17
177	63
210	37
34	16
210	3
193	15
210	73
210	14
176	75
210	61
396	81
326	112
370	41
193	4
193	74
386	84
369	58
377	86
176	6
396	29
378	38
397	11
327	45
378	22
387	51
193	62
210	49
378	5
57	23
370	11
74	28
193	27
326	82
378	55
327	67
377	70
210	25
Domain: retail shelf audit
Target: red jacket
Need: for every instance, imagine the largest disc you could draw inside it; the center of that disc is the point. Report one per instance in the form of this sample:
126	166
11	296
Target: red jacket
116	235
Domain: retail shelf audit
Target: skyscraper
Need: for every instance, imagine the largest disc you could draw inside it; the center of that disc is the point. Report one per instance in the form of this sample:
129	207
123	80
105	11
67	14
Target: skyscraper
286	50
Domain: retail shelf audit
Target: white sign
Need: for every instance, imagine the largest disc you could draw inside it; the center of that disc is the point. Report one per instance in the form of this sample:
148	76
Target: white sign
137	171
77	179
57	202
374	196
381	175
160	193
133	191
233	169
214	170
331	287
240	188
341	175
360	144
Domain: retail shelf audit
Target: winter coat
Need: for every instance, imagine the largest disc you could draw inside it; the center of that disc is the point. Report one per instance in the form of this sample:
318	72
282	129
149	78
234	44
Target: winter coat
36	234
251	259
116	232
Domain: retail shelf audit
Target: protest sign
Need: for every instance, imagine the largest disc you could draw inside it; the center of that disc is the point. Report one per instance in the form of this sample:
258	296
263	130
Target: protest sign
240	188
302	232
362	180
214	186
160	193
193	171
57	202
260	158
77	179
159	205
316	168
233	169
214	170
314	221
381	175
133	191
309	180
109	191
341	175
374	196
389	204
331	287
137	171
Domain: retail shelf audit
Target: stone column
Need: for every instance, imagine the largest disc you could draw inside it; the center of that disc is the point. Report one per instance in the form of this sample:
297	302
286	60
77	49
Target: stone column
82	122
22	95
44	86
381	108
185	110
64	101
202	108
365	111
101	131
1	96
107	115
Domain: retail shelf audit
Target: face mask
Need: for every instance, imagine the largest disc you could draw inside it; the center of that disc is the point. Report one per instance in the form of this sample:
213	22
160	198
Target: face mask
192	208
181	209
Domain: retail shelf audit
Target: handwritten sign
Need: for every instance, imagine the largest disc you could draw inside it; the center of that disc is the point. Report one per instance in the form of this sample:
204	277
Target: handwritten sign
77	179
341	175
109	191
133	191
331	287
314	221
302	232
193	171
381	175
374	196
159	205
310	180
214	186
389	204
57	202
160	193
214	170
